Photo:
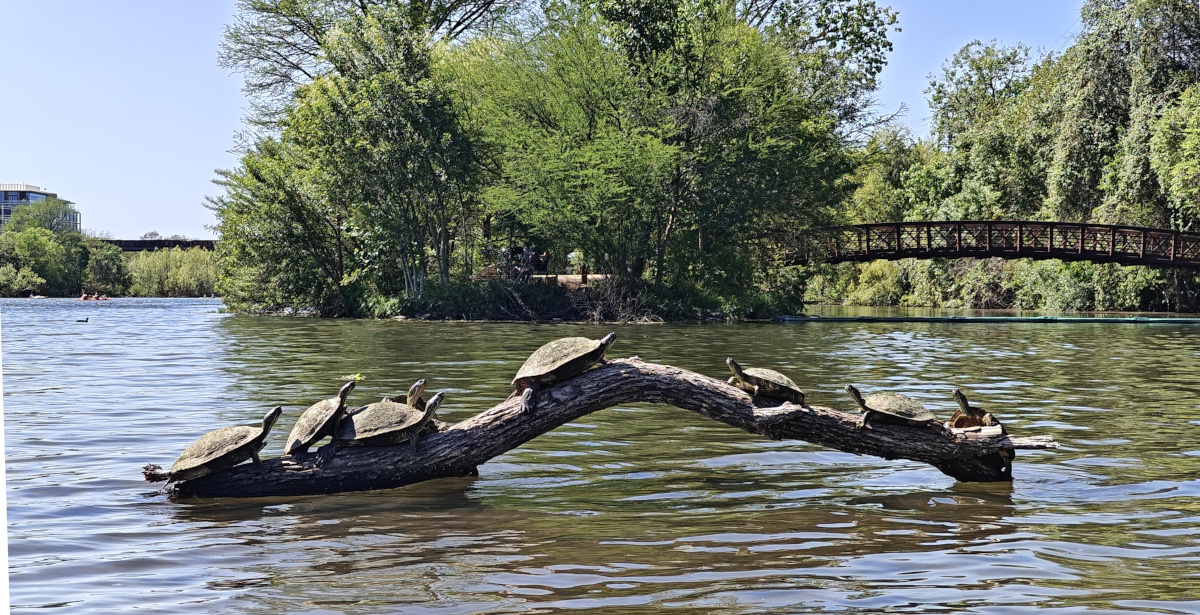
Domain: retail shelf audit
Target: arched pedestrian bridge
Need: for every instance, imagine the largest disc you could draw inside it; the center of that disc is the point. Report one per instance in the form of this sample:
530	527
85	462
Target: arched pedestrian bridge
1069	241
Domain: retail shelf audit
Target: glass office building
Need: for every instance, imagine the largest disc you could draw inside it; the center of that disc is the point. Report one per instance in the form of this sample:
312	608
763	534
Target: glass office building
13	196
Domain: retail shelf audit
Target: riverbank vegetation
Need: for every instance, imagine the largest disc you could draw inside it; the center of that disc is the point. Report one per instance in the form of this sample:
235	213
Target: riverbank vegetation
652	142
413	158
172	272
42	254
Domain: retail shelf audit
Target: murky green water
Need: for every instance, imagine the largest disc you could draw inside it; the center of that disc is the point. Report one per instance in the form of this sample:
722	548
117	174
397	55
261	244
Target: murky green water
628	510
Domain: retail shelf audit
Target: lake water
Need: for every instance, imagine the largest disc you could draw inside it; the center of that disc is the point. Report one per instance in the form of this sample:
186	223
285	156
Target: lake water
627	510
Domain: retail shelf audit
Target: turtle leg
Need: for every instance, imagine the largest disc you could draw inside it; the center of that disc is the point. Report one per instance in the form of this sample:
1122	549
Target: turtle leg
413	442
325	453
862	420
258	465
300	455
527	400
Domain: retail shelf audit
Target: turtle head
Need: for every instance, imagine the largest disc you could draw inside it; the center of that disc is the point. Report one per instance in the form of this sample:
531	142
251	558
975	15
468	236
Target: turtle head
858	398
962	400
271	417
735	368
415	391
345	391
431	406
607	341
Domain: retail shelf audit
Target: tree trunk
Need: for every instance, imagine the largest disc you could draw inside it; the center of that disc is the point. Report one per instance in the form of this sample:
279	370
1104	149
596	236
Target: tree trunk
976	454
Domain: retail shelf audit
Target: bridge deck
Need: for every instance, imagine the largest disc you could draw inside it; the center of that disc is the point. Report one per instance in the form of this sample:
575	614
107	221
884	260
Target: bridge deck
1010	239
143	245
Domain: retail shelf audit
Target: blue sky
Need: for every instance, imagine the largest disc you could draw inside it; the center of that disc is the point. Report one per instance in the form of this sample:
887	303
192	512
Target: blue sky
120	106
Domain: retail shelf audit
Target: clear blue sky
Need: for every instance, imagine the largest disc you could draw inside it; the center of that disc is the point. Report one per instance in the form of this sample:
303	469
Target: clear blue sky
120	107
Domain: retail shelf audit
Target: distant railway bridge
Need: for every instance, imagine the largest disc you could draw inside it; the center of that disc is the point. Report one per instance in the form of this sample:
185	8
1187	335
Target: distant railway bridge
1010	239
144	245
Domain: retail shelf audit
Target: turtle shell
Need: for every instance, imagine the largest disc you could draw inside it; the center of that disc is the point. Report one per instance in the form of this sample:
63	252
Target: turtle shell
378	419
769	382
900	407
317	421
222	448
386	422
563	358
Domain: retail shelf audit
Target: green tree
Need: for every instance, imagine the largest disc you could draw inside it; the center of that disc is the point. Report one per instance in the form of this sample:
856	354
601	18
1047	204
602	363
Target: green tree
21	282
280	46
1175	157
37	250
106	272
52	214
705	125
369	171
172	273
975	86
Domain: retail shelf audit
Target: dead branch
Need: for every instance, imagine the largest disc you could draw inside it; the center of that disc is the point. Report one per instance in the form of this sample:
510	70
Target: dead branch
975	454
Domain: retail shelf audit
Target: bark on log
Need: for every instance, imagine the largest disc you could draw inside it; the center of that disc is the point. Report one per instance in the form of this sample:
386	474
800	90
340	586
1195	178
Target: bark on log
976	454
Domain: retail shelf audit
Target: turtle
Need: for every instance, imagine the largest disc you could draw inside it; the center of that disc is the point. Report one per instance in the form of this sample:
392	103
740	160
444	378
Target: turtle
386	422
318	421
766	382
974	416
971	416
412	398
894	408
556	361
217	450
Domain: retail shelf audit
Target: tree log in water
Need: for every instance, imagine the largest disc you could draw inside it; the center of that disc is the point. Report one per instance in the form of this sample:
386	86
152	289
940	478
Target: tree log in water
975	454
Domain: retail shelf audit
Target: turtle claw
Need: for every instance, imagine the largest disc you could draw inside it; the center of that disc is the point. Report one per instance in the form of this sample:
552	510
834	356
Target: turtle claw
527	400
325	454
862	421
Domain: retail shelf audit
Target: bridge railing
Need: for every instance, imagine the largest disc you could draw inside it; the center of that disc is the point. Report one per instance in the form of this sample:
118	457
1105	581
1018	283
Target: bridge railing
1005	239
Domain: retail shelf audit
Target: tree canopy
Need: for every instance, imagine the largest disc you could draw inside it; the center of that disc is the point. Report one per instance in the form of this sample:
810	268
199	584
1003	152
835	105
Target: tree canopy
402	146
659	140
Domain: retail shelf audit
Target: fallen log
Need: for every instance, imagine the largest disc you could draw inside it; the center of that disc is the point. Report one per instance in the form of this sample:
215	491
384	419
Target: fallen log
974	454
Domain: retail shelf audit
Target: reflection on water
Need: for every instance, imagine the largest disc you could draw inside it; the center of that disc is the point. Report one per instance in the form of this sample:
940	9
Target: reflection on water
624	510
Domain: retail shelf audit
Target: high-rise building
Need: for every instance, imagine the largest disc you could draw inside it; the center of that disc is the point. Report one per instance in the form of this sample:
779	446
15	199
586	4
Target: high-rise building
13	196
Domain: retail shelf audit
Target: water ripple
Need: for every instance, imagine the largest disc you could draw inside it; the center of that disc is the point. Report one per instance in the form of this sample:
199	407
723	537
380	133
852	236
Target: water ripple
627	510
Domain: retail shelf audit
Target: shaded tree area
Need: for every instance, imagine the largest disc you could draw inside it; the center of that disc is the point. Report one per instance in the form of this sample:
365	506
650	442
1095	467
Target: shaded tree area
1104	132
398	154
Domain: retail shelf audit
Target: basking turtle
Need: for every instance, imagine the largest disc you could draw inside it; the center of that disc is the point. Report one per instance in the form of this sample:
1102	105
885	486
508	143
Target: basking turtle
386	422
557	361
217	450
413	398
317	422
971	416
766	382
894	408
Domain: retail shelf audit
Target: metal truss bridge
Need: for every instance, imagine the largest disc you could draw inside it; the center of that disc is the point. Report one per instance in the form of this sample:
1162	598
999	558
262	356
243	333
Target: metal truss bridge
1068	241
